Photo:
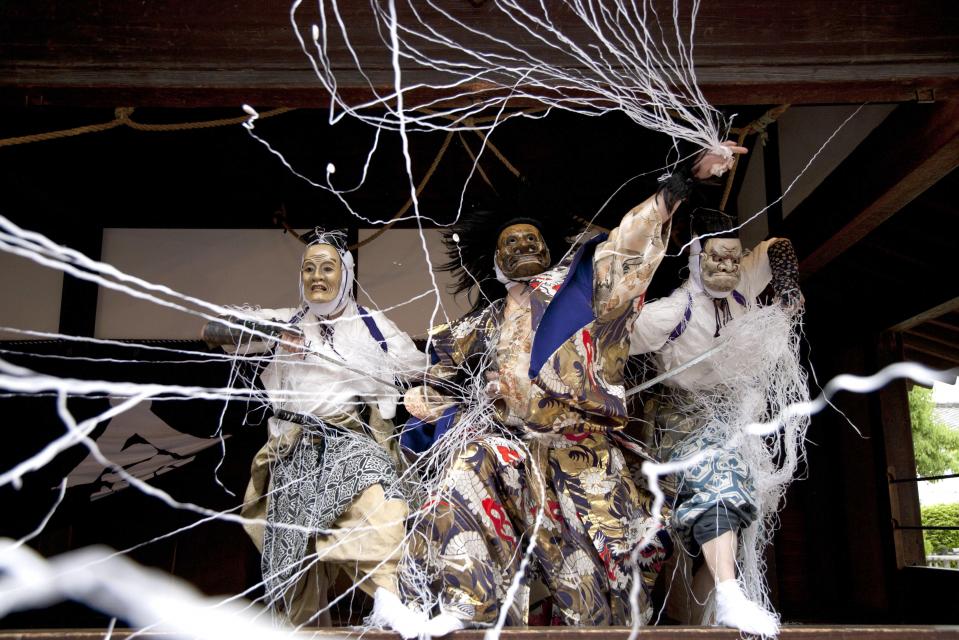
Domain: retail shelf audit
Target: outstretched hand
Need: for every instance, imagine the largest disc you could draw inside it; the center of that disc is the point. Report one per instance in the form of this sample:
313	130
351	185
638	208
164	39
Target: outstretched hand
294	343
793	303
716	164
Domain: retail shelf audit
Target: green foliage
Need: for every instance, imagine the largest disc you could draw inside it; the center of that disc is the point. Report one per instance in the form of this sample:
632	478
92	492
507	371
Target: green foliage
941	515
936	445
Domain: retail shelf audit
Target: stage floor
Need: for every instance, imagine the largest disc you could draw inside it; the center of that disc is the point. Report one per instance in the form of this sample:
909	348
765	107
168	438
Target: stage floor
789	632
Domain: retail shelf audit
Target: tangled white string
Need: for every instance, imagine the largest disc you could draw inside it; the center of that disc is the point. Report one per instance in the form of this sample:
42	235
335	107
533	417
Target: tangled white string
759	414
585	56
117	586
426	474
582	56
759	366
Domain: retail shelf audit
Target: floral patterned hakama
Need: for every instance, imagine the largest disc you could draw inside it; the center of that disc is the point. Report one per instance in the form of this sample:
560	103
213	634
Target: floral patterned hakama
575	496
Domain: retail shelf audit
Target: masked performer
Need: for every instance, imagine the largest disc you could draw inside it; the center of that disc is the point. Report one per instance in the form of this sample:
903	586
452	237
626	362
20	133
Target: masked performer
329	467
717	497
553	351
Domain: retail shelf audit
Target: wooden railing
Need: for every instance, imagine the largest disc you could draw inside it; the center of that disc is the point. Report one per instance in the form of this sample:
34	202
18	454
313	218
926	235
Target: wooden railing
945	562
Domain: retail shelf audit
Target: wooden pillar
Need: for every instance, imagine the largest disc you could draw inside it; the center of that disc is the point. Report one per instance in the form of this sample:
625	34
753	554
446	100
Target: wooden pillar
900	460
774	184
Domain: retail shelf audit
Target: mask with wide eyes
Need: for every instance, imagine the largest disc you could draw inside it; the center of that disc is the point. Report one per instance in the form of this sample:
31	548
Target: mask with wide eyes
719	264
322	273
521	251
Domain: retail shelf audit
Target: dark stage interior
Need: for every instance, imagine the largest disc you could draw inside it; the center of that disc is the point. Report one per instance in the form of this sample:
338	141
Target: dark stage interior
876	239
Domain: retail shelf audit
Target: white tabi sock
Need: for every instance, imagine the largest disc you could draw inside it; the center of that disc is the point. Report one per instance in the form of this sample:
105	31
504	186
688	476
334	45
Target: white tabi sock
390	613
734	609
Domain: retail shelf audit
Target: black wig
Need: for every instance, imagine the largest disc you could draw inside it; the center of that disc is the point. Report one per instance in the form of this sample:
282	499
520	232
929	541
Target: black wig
471	241
713	223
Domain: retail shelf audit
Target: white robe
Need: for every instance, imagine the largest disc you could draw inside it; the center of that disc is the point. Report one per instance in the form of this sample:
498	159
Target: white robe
316	386
658	319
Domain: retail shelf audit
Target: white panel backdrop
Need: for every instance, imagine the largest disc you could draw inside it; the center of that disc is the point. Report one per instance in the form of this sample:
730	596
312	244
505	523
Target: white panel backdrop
260	267
30	295
226	266
802	130
393	270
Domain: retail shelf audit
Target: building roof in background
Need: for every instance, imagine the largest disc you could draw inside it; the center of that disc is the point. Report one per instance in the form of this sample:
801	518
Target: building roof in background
948	412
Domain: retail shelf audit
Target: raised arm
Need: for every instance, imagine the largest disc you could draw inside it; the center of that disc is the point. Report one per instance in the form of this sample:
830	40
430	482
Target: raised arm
784	266
774	262
625	263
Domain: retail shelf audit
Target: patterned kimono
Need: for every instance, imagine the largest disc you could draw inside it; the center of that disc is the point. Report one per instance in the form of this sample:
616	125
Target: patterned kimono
330	464
557	462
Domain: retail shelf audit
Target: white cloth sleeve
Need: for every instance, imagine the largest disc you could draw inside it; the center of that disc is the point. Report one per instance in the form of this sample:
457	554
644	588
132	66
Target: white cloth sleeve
405	357
755	270
624	264
656	321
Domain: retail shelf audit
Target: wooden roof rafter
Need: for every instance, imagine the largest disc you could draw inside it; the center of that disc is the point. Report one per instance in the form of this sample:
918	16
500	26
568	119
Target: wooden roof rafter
915	147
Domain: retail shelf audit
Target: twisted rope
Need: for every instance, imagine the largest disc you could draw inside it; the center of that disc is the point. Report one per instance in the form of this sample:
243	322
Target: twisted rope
756	126
122	118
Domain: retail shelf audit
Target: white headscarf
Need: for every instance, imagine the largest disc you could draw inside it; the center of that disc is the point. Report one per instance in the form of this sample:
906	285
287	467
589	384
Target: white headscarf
345	293
349	336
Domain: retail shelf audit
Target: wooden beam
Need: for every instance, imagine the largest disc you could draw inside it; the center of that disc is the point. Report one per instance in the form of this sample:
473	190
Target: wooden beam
926	316
900	458
949	321
741	168
935	362
66	86
931	347
772	170
226	52
945	336
910	151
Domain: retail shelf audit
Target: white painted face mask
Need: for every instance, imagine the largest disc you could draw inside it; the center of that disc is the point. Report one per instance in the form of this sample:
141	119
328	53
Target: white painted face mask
345	293
696	273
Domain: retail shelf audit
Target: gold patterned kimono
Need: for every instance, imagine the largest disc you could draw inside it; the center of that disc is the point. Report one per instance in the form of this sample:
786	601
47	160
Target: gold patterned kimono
562	466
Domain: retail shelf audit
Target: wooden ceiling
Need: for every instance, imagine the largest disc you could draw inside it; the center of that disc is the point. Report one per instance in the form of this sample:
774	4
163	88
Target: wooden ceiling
226	52
898	276
935	342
